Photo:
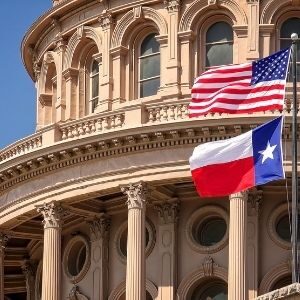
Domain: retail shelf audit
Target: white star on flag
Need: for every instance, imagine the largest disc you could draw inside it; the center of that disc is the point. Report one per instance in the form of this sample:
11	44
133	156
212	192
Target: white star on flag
268	152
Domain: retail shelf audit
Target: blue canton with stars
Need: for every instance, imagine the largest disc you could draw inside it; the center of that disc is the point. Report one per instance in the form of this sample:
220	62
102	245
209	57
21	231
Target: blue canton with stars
273	67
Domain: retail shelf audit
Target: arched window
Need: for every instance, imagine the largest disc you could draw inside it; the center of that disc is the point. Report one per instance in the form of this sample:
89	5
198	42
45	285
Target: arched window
288	27
94	85
213	290
149	66
219	45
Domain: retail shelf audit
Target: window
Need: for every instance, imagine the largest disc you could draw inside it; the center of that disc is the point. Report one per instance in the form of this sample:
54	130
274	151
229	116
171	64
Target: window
219	45
94	85
215	290
288	27
149	66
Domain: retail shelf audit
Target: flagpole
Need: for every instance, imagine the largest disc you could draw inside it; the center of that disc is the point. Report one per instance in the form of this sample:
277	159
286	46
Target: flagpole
295	263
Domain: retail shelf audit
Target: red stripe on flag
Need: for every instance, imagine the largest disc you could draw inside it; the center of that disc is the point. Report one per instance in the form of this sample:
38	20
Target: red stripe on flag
211	182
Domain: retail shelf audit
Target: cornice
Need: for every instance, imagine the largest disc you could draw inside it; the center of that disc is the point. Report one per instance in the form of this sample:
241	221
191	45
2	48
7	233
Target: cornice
124	142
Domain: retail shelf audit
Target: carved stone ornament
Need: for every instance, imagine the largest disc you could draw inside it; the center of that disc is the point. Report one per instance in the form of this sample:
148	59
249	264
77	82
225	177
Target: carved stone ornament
208	266
167	212
291	291
172	5
99	228
254	201
137	12
136	194
52	213
75	294
29	268
3	241
106	20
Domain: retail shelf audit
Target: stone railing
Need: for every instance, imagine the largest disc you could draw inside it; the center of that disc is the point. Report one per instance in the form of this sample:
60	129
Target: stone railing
290	292
92	124
167	112
21	147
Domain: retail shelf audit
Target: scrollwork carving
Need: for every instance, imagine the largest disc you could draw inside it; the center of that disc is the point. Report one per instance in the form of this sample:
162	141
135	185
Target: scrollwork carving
167	212
52	213
99	228
136	194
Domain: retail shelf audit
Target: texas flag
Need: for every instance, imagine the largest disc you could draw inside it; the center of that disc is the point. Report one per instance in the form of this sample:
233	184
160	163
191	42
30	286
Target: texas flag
229	166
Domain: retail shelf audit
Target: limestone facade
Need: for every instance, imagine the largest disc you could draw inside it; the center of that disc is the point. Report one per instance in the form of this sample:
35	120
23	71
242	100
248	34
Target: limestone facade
99	202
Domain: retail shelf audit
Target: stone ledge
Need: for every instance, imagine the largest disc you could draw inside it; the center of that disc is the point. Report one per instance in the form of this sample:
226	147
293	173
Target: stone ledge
290	292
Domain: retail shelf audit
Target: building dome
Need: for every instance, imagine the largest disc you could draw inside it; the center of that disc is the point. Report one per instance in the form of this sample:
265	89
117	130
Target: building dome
99	202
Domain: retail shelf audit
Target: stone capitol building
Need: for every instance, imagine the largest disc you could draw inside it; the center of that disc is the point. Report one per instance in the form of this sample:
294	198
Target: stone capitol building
99	202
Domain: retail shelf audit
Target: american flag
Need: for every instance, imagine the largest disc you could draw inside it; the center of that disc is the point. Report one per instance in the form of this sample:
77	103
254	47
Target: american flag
243	88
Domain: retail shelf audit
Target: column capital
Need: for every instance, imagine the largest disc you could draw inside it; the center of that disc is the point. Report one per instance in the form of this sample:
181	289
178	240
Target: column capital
106	20
29	268
254	201
136	195
52	213
172	5
239	195
99	228
167	212
3	241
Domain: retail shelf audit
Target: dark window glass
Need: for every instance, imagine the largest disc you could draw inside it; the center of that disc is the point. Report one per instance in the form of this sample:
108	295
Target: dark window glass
149	61
213	291
219	45
290	26
76	258
211	231
94	75
283	228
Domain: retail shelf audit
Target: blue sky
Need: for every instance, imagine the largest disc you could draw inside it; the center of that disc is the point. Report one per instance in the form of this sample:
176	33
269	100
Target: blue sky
17	97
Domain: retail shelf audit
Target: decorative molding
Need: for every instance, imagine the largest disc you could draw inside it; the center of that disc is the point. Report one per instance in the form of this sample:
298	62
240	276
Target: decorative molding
270	10
120	290
273	218
52	213
131	18
29	268
208	266
99	228
197	277
136	195
168	212
172	5
273	275
3	241
106	20
82	32
255	197
75	294
287	292
199	7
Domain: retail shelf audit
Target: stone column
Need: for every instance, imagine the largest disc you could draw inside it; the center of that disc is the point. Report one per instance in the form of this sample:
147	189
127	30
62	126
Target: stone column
136	270
3	242
167	244
254	203
29	270
237	247
51	283
99	241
